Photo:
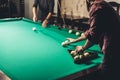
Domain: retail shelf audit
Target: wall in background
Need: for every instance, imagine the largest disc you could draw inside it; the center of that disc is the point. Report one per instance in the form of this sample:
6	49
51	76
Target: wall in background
65	4
117	1
11	8
28	8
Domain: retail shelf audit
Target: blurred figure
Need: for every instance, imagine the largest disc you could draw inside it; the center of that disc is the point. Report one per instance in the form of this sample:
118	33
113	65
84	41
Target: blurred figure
44	11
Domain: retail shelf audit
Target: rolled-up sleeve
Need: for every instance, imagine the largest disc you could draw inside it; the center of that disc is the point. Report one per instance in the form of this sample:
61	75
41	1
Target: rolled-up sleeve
51	6
94	33
35	3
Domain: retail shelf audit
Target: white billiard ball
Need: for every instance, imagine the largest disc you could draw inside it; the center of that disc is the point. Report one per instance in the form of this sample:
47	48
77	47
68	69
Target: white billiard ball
82	34
77	33
63	43
66	41
80	56
34	28
73	53
70	31
86	54
76	57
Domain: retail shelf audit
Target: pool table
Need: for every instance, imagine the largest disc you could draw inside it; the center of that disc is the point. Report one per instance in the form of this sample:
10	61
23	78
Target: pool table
38	55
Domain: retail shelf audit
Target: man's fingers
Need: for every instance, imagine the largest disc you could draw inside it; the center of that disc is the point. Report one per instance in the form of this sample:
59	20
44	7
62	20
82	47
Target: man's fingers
68	38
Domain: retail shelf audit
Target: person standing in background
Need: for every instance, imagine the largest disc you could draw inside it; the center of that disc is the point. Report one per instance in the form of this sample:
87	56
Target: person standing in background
44	11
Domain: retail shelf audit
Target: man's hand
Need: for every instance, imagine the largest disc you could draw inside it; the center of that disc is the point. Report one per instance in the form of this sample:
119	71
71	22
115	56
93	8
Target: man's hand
34	18
79	49
44	24
70	39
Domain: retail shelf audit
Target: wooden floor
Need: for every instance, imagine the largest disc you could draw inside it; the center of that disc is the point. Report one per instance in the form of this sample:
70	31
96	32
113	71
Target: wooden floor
3	76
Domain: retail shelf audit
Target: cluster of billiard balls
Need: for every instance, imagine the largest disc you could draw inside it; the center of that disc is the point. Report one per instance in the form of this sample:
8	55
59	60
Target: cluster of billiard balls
70	31
77	56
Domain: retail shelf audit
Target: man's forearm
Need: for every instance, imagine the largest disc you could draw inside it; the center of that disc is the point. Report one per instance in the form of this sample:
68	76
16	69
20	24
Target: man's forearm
82	37
34	11
48	16
87	44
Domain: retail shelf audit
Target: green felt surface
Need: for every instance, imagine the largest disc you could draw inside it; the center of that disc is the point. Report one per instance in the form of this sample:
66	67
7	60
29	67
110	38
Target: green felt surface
37	55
